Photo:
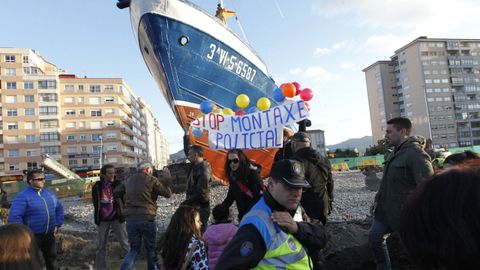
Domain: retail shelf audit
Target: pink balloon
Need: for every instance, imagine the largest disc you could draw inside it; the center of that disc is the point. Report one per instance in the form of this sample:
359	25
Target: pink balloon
240	112
306	94
297	88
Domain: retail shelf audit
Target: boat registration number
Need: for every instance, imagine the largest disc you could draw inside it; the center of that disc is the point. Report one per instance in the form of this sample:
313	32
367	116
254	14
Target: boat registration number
231	62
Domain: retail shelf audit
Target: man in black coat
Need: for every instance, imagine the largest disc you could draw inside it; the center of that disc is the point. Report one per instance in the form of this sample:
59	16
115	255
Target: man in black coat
317	200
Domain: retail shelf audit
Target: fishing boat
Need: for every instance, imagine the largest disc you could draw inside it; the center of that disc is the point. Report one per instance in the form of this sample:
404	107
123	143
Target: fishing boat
194	56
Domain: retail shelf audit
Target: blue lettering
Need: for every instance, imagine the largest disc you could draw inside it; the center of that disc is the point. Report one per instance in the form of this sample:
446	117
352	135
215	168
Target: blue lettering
257	121
267	116
269	138
227	136
277	114
236	120
244	140
251	140
260	139
245	122
218	138
277	141
289	113
301	107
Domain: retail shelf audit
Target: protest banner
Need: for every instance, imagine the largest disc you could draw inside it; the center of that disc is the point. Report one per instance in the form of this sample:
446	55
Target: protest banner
262	129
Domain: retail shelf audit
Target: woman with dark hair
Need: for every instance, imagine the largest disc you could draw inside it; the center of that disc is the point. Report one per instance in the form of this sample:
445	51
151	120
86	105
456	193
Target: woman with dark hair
245	184
440	222
18	249
182	247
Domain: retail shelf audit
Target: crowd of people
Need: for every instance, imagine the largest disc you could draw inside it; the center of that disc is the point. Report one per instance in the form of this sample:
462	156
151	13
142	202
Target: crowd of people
281	221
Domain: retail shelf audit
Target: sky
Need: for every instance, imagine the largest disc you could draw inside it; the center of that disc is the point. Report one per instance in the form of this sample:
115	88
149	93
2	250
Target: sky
322	44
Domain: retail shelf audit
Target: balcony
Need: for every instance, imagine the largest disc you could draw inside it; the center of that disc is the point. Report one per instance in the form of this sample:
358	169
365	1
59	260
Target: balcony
127	130
127	120
127	142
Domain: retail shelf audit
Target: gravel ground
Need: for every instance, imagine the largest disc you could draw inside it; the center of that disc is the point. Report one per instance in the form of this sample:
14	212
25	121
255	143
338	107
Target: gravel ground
351	202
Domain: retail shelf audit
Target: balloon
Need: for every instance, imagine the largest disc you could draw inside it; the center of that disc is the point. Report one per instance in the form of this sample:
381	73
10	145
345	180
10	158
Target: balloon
278	95
228	111
197	132
207	106
263	103
297	88
241	112
252	110
200	115
218	111
288	90
242	101
306	94
307	106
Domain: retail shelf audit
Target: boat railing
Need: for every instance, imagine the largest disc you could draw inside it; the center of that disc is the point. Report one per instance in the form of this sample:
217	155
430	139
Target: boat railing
193	5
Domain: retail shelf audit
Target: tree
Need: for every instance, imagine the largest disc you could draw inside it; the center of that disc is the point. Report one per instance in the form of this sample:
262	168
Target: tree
380	148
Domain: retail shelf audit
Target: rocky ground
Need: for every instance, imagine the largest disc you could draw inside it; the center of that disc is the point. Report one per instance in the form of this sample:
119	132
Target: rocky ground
348	228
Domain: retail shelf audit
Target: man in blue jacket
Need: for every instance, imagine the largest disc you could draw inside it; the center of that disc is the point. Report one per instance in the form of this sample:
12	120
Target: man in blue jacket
39	209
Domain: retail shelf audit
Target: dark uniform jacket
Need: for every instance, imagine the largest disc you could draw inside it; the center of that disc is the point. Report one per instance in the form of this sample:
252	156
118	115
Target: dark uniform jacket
244	200
311	235
316	200
96	195
141	192
404	168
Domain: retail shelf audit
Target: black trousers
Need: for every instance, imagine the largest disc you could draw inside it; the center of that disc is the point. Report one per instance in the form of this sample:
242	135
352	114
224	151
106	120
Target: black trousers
46	244
204	216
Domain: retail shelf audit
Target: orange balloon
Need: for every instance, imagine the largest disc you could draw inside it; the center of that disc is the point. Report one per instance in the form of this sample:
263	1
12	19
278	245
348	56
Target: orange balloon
288	90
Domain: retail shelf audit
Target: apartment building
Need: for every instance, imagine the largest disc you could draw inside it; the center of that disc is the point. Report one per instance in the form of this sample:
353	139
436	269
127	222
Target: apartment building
81	122
435	83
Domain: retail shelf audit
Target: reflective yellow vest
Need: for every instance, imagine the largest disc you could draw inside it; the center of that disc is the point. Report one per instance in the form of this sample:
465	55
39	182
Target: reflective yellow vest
284	251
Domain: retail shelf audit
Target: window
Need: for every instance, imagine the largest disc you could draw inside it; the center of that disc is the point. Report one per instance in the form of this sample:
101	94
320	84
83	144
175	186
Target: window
70	125
109	111
10	58
80	100
49	136
29	98
32	165
96	149
111	135
94	88
13	153
26	59
84	161
109	87
80	87
111	147
70	138
109	99
14	166
48	110
11	112
69	112
83	137
47	84
29	125
27	85
81	112
81	124
84	149
31	152
48	97
11	85
72	162
30	138
12	126
96	137
94	100
71	150
51	150
48	123
110	123
12	139
10	72
69	87
96	113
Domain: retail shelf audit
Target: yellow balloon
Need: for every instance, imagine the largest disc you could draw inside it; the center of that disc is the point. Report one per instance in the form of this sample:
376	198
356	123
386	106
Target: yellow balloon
242	101
263	103
228	111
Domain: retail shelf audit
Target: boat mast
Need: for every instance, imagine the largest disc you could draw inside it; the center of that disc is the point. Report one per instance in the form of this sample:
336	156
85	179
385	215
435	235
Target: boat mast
223	14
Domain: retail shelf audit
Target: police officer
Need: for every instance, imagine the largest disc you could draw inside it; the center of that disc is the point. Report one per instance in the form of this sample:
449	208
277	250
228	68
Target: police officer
274	233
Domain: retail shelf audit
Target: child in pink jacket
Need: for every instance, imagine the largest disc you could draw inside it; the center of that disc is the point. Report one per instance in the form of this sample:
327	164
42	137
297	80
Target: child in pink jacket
219	234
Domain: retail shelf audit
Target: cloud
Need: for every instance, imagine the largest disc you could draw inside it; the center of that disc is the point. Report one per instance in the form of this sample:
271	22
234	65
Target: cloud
387	43
437	18
335	47
315	73
347	65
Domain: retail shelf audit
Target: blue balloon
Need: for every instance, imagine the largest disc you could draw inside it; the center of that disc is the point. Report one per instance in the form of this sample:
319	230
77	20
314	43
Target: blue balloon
206	106
278	95
252	109
197	132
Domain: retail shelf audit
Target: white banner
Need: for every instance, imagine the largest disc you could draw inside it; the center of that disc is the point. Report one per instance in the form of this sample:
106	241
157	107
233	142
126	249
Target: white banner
262	129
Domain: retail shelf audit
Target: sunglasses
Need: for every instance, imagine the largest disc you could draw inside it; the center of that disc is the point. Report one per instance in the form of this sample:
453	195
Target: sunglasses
234	161
39	179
